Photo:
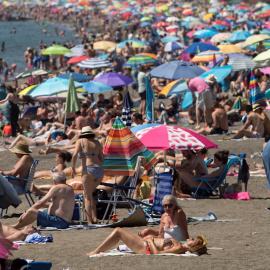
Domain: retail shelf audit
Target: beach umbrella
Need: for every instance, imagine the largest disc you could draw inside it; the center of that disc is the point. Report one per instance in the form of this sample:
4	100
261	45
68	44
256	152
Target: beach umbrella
114	79
231	56
219	72
229	48
196	24
173	46
103	56
135	43
144	24
206	56
174	87
161	24
262	56
148	54
78	77
238	36
33	72
169	39
198	47
96	87
57	97
127	110
56	50
143	19
176	70
204	33
265	70
150	97
27	90
104	45
78	50
255	94
241	63
140	127
172	19
94	63
255	38
122	150
52	87
220	37
208	16
140	60
173	137
77	59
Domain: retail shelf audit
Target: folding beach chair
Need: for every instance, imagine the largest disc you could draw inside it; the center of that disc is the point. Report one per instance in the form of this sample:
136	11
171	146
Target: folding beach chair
163	186
30	112
212	188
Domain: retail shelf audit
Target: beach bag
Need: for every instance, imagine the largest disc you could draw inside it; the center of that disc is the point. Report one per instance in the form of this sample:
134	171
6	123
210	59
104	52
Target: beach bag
100	194
145	189
229	189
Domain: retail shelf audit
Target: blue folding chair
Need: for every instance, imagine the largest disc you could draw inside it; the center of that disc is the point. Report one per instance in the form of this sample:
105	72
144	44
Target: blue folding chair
210	188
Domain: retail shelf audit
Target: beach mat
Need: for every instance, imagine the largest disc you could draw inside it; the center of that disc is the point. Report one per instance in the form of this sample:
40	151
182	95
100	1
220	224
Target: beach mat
210	216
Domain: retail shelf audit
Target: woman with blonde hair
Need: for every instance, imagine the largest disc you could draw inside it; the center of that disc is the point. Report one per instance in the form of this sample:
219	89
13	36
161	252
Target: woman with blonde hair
90	152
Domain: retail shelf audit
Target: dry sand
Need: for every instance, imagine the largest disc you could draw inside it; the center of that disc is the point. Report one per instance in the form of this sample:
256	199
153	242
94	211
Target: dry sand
244	243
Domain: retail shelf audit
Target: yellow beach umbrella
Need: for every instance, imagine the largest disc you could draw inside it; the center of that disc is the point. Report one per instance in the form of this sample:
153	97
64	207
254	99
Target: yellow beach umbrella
208	16
104	45
255	38
229	48
262	56
27	89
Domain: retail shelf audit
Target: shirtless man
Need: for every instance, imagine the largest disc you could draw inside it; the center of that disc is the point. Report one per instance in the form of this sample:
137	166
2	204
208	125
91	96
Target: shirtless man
254	120
60	209
220	121
266	122
105	126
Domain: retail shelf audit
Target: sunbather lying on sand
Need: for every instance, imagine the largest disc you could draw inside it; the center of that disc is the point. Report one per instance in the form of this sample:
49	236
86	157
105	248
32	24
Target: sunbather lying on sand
151	245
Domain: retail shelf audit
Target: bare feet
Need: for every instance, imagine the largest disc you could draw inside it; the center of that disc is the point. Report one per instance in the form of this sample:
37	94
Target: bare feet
41	151
94	252
258	166
197	127
36	190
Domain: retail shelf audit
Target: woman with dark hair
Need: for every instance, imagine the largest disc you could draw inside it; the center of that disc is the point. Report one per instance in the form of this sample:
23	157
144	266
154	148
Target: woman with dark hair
90	152
13	110
220	160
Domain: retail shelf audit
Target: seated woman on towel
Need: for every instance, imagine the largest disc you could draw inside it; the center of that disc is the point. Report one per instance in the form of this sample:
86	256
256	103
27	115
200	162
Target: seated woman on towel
60	159
173	222
220	160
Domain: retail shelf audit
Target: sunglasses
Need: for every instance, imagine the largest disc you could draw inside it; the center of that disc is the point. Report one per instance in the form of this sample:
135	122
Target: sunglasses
168	205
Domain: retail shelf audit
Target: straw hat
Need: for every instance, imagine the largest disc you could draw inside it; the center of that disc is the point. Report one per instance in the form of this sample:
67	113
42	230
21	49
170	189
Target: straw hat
86	131
21	148
211	78
256	107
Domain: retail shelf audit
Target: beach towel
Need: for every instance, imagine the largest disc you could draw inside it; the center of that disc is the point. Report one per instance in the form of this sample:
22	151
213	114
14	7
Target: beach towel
210	216
37	238
237	196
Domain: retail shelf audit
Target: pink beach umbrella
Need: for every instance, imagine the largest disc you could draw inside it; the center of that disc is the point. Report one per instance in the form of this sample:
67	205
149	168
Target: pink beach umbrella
265	70
172	137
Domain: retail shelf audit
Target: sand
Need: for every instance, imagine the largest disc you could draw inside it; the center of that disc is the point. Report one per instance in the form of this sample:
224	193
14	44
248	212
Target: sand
242	244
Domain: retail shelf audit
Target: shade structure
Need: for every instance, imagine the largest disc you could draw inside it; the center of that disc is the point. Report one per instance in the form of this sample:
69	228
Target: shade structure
77	59
33	72
127	110
104	45
198	47
206	56
122	150
241	63
78	50
176	70
52	87
255	94
229	48
135	43
173	46
72	101
231	56
219	72
238	36
114	79
172	137
96	87
60	96
169	38
140	127
161	24
220	37
262	56
174	87
78	77
56	50
140	60
95	63
28	90
204	33
256	38
172	19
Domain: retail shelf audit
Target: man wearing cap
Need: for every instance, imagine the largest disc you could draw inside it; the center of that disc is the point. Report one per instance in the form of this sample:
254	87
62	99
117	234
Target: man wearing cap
60	203
253	128
22	167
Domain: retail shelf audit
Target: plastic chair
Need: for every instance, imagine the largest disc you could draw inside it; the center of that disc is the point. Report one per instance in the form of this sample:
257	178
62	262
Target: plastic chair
204	191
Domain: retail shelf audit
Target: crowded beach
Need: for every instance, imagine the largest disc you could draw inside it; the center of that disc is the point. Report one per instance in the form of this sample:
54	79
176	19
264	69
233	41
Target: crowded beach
147	134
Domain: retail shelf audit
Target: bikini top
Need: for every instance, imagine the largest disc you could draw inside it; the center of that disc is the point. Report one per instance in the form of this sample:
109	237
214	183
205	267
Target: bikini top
83	154
174	232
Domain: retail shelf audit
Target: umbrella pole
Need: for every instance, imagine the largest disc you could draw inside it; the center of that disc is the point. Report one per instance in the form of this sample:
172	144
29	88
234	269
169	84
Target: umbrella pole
165	159
65	122
153	116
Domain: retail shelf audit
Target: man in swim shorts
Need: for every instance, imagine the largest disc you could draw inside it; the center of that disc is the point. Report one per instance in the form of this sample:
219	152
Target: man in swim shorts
60	209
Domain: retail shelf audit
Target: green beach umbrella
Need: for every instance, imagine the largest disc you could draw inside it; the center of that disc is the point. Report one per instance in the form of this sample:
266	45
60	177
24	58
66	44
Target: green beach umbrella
72	102
56	50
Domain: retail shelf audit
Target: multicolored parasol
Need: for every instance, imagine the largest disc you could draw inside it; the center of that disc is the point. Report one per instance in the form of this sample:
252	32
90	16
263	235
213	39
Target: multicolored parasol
122	149
206	56
255	94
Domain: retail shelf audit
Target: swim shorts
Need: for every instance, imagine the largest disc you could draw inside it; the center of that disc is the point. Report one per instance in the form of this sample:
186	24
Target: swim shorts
218	131
204	100
46	220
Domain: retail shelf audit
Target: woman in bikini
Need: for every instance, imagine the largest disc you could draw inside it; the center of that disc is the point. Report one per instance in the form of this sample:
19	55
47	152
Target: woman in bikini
173	222
90	152
151	245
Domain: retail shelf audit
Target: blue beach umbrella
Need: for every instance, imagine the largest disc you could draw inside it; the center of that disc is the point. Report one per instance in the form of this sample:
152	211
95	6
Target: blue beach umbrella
144	24
205	33
96	87
219	72
197	47
76	76
140	127
169	39
239	36
173	46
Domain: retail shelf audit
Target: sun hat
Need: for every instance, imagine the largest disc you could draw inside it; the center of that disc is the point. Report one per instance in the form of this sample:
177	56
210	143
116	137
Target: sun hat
201	249
256	107
21	148
86	131
211	78
173	96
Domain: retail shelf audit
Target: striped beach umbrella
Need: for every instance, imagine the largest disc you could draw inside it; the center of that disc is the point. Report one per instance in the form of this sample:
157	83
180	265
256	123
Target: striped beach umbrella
140	60
174	87
95	63
173	46
220	37
255	94
241	63
135	43
206	56
122	149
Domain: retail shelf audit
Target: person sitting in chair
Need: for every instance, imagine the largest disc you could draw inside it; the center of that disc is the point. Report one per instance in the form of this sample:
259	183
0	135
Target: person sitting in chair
22	167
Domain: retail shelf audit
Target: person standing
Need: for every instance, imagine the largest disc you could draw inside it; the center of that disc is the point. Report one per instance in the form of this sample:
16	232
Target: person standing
13	110
142	89
90	152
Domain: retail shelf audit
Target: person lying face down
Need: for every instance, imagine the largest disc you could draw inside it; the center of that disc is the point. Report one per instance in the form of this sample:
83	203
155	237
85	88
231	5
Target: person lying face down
151	245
